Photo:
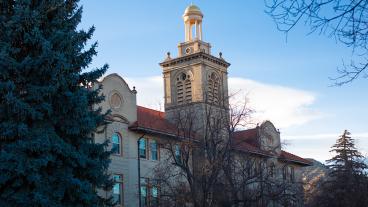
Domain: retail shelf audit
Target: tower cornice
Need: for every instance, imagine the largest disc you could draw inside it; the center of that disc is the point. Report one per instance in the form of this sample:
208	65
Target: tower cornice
195	56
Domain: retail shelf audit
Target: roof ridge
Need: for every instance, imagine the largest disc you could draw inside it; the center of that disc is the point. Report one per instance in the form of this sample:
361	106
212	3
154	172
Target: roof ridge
246	130
151	110
301	159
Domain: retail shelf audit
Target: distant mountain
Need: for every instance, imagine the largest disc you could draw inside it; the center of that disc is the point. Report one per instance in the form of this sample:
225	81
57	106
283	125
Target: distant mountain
313	176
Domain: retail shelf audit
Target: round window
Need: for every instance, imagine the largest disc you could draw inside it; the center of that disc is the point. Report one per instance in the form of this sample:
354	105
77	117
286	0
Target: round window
115	101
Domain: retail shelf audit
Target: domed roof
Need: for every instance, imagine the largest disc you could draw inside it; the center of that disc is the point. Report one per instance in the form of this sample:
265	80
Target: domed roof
192	9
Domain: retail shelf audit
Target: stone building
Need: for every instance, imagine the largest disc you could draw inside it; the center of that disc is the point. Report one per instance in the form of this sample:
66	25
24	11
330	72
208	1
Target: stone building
193	81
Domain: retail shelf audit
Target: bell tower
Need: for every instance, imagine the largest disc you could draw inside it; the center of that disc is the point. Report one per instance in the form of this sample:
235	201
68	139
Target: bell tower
195	79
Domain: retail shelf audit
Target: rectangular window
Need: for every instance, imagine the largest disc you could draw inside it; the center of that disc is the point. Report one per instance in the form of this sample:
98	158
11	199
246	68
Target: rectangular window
177	153
117	190
292	174
154	191
256	168
288	173
284	172
271	170
150	192
154	150
142	148
144	192
249	167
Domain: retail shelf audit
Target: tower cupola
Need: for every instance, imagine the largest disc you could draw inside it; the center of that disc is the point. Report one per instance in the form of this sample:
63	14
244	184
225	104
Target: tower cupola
193	23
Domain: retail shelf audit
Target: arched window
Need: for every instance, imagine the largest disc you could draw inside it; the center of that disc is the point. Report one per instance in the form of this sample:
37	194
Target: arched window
184	88
213	92
116	143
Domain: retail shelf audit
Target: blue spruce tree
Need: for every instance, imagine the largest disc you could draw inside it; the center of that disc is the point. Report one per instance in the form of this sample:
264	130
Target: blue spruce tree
47	119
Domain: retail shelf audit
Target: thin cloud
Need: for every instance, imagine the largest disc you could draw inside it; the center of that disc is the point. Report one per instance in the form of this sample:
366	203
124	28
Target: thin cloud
363	135
150	91
319	145
284	106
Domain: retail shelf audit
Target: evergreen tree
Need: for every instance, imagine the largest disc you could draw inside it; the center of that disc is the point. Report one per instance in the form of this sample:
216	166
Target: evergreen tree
347	160
347	182
47	153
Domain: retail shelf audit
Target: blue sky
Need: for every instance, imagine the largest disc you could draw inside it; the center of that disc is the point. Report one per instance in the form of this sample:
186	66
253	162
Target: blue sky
286	80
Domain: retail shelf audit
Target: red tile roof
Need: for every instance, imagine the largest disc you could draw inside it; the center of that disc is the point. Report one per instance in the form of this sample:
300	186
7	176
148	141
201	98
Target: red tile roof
153	121
291	157
242	145
249	136
247	140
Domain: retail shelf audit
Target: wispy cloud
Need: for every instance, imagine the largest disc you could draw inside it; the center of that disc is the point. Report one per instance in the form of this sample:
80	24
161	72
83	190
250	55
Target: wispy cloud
319	145
150	91
284	106
363	135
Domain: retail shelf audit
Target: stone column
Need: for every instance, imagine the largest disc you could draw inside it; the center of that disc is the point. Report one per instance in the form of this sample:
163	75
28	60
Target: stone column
197	29
190	32
186	31
200	31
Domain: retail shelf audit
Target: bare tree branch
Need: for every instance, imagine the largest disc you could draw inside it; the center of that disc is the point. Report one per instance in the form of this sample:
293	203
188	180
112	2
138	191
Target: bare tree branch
346	21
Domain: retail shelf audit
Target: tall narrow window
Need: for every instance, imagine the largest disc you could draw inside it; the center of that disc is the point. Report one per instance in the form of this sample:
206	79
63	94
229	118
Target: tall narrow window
285	172
184	88
144	192
116	143
213	95
292	175
117	190
154	149
177	153
154	191
257	168
271	170
249	167
142	148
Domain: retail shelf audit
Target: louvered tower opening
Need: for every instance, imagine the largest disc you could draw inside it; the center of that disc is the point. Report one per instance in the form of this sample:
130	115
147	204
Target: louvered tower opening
213	95
184	88
180	92
188	91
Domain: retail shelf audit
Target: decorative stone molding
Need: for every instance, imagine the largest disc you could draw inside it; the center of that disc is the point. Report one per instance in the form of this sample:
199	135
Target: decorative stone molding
115	100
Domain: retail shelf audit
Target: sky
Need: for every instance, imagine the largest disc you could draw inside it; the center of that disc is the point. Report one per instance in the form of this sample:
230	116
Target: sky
285	78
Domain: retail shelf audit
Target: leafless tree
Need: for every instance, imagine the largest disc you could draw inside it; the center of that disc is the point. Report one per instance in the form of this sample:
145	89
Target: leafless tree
254	180
207	171
346	21
201	140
